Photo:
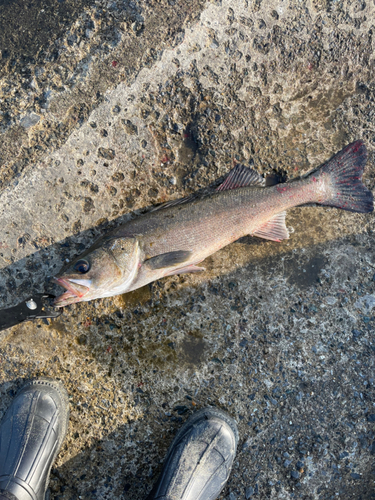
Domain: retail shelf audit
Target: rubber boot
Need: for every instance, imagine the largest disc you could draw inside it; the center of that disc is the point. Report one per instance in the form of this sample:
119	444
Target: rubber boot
200	458
31	434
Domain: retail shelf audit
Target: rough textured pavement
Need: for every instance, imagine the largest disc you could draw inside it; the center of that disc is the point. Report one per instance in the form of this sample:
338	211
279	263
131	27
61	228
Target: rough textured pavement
107	108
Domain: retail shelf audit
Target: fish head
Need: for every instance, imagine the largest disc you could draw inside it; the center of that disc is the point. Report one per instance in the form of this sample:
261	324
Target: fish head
108	268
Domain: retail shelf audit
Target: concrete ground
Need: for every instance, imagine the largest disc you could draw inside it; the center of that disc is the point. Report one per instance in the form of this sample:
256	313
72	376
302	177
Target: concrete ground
108	108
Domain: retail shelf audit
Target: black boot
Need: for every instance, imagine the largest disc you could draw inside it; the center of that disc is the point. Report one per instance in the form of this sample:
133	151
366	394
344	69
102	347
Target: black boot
199	459
31	434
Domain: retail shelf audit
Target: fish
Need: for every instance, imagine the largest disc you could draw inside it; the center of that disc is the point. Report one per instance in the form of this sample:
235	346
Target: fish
177	236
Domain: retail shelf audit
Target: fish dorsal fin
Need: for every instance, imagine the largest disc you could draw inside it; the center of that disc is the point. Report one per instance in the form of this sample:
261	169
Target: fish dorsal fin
172	203
241	176
274	229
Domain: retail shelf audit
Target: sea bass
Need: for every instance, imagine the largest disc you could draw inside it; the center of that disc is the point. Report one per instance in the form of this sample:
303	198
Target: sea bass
174	238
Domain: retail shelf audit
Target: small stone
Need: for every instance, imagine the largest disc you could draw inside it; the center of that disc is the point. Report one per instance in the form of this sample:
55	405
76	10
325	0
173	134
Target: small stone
30	120
295	474
129	127
107	154
88	205
181	409
76	227
330	300
246	445
356	333
366	303
173	181
137	28
118	176
153	192
112	190
249	491
371	417
354	475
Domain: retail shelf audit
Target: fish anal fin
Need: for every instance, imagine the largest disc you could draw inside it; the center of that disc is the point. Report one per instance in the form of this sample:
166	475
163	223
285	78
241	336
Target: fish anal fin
241	176
188	269
168	259
274	229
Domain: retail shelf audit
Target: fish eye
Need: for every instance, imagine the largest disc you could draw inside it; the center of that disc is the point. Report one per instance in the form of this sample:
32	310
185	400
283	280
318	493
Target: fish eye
82	266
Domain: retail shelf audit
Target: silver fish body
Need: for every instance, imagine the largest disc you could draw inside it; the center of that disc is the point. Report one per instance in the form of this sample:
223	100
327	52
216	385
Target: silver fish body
175	238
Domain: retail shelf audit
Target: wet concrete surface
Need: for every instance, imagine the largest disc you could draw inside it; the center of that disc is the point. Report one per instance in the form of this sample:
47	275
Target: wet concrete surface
130	104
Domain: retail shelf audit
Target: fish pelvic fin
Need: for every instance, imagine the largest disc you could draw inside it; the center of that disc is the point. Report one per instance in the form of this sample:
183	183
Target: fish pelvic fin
274	229
344	173
188	269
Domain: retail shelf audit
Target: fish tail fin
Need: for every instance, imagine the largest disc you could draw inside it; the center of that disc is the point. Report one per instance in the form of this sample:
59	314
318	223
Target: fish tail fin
343	174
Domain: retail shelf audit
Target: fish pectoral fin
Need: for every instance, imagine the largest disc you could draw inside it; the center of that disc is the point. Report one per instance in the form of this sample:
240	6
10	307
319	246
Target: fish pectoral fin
188	269
274	229
169	259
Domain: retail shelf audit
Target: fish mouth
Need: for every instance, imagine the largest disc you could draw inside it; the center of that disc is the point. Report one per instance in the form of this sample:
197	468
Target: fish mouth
74	292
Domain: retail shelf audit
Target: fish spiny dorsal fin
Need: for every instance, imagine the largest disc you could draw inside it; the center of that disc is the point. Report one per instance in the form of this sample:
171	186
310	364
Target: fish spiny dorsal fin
241	176
172	203
274	229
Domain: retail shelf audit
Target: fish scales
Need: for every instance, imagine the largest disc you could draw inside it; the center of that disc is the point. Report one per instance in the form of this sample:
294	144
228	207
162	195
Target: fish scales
227	216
